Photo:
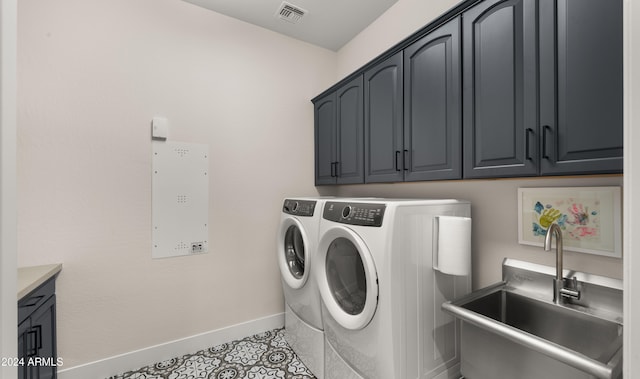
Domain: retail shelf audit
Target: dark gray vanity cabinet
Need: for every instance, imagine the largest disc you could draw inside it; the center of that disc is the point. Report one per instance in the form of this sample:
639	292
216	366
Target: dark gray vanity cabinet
339	136
500	89
37	333
432	106
383	128
581	86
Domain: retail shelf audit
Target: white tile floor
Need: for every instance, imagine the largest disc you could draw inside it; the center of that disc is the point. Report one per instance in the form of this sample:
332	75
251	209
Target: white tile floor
261	356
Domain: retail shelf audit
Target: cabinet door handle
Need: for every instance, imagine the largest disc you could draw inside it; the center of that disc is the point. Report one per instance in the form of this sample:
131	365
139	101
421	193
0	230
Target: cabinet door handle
397	160
32	343
527	140
38	330
405	154
337	168
545	129
333	169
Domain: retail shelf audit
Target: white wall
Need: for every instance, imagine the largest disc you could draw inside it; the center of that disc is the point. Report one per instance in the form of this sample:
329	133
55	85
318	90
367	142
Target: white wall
494	202
397	23
91	75
8	305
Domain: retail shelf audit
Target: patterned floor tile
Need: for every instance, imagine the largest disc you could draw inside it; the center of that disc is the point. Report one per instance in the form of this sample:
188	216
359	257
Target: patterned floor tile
261	356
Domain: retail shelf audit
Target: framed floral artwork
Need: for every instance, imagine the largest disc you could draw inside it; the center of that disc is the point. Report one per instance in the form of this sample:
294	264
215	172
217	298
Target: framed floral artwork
590	218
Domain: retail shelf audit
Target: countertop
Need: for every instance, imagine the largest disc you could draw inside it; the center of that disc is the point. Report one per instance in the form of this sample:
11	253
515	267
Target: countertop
29	278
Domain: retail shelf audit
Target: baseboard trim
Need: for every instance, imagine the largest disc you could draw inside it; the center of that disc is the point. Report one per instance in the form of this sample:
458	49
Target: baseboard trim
134	360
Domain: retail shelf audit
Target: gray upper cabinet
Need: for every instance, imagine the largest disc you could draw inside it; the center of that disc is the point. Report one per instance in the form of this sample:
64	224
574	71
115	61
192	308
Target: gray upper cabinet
492	88
384	151
573	125
581	86
339	138
432	106
350	131
412	111
325	139
500	89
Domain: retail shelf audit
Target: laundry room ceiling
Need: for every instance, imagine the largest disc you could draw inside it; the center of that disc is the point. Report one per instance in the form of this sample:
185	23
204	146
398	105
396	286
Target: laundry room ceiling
326	23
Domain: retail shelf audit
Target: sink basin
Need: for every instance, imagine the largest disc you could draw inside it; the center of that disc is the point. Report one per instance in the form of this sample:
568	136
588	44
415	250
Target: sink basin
510	333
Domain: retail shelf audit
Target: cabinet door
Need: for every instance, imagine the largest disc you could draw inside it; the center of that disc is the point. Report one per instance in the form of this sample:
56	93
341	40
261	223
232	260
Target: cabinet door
37	343
325	139
383	121
581	90
23	342
500	89
349	168
432	101
43	323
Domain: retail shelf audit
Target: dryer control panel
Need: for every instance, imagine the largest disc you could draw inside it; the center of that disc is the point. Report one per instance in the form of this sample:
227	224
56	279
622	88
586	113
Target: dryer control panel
362	214
299	207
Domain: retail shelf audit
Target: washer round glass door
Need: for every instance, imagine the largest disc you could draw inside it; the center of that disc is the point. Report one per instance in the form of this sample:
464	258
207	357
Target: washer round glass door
293	253
348	279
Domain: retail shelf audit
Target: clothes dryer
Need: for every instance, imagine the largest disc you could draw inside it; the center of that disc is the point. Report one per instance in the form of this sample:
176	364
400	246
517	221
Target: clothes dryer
296	249
381	297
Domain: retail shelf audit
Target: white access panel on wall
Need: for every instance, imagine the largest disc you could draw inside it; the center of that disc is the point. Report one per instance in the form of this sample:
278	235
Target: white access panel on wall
180	198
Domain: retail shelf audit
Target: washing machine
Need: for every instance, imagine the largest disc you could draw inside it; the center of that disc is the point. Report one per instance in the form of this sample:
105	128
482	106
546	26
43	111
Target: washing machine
296	249
381	296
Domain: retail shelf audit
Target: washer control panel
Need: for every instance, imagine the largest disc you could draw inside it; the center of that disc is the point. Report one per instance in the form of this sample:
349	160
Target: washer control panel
362	214
299	207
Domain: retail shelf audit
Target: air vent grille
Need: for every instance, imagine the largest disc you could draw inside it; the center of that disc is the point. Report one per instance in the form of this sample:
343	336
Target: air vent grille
290	12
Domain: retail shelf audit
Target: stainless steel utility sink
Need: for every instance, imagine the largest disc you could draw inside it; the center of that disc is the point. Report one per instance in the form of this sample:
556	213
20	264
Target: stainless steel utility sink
514	330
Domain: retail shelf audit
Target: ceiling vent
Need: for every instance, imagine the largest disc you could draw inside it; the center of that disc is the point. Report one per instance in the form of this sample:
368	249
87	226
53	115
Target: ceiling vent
290	12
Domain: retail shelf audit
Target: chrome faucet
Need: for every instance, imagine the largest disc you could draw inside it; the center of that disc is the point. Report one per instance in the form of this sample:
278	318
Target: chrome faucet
559	289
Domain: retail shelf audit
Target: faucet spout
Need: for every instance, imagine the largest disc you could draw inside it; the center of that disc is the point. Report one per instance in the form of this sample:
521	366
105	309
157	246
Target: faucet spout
555	229
559	289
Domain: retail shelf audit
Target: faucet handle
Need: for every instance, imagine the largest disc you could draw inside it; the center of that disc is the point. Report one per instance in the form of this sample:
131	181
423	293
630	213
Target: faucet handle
571	292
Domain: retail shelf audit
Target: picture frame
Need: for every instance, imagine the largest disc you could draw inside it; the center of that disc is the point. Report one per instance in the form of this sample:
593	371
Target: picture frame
590	218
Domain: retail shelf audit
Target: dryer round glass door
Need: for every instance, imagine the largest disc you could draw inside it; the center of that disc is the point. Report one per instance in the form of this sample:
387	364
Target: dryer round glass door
293	253
345	276
348	279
